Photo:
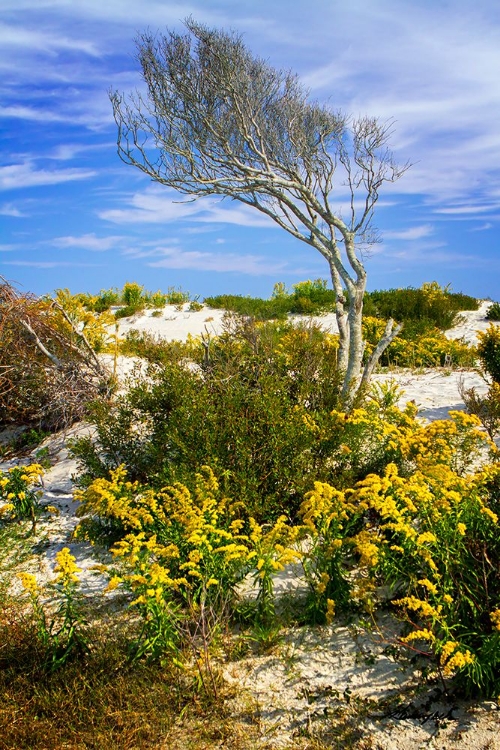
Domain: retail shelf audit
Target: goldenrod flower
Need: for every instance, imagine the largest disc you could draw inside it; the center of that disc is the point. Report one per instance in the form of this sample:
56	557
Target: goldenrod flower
66	567
29	583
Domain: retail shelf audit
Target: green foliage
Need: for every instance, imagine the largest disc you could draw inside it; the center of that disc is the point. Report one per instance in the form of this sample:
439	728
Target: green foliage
24	442
132	298
493	312
106	299
488	349
127	311
418	525
486	407
431	306
254	307
245	411
176	296
428	348
312	297
62	632
195	306
20	491
307	298
437	545
132	294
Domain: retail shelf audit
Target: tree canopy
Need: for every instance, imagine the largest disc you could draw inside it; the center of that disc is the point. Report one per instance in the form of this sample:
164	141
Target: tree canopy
215	119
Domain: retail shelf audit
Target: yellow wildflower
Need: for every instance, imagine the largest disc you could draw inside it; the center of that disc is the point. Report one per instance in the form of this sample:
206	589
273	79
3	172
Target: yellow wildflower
458	661
428	585
29	583
66	567
495	618
419	635
114	582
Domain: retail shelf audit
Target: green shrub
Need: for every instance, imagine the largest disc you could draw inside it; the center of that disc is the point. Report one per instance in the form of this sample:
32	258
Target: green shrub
485	407
488	349
133	295
127	311
254	307
245	412
493	312
176	296
432	305
312	297
105	299
307	298
427	348
156	299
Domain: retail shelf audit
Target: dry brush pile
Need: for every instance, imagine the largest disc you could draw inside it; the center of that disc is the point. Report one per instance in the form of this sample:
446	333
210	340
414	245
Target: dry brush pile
49	370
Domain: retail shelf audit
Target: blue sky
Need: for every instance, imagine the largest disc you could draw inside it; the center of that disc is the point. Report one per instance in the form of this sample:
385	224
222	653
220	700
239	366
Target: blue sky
72	215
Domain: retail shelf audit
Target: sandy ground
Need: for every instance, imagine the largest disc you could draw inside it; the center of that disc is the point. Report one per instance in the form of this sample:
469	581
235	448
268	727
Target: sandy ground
313	679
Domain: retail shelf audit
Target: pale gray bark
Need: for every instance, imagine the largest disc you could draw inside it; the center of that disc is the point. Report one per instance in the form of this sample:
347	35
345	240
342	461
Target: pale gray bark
216	120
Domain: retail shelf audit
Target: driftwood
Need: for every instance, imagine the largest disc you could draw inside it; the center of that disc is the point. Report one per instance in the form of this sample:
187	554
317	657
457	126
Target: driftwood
48	370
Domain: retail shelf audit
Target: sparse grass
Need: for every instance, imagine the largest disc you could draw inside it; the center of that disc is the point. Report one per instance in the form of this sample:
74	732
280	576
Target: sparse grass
102	700
16	544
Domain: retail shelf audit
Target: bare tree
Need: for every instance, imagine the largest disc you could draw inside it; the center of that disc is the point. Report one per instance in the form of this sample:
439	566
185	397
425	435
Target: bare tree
217	120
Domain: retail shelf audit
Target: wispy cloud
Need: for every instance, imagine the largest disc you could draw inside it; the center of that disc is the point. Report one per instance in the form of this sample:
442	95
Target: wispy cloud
253	265
482	228
27	175
50	264
44	41
162	205
88	242
467	209
414	233
21	112
9	209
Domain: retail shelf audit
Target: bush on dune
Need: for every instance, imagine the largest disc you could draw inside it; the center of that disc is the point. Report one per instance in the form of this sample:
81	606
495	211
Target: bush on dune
49	370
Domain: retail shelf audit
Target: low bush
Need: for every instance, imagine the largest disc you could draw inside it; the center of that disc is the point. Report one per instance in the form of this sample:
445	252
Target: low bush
429	348
493	312
242	408
434	306
488	349
254	307
418	525
20	491
48	364
306	298
486	407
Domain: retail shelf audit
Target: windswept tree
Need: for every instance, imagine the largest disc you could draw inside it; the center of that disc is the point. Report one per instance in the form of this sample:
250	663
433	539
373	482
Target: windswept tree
217	120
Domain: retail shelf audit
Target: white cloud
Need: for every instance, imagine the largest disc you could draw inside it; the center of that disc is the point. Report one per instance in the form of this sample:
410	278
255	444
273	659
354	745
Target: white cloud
162	205
467	209
483	228
21	112
49	264
253	265
44	41
8	209
25	175
414	233
88	242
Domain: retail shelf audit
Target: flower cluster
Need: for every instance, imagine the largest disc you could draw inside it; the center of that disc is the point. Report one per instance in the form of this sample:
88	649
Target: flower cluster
181	546
20	491
430	349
